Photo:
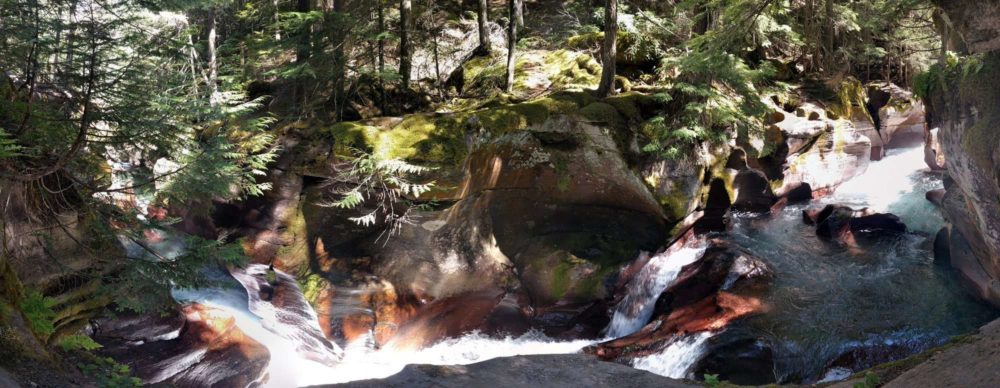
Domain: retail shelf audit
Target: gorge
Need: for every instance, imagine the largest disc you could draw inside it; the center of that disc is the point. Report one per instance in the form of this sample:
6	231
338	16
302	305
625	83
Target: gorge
440	193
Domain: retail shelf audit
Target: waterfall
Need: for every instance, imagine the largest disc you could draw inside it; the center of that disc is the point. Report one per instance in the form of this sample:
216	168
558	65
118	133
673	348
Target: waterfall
896	184
300	356
635	310
677	359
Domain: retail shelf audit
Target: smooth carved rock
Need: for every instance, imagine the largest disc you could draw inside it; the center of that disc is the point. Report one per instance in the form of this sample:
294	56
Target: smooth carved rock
707	295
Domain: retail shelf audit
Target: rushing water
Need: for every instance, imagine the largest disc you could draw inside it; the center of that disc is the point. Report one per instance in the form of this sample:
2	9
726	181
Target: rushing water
636	308
884	298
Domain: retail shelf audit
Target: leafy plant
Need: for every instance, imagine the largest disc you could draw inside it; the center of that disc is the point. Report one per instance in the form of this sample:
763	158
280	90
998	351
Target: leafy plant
38	310
383	184
712	380
78	342
109	373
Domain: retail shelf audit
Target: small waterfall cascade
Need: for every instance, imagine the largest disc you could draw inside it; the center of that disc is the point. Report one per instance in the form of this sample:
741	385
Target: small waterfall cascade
677	359
636	308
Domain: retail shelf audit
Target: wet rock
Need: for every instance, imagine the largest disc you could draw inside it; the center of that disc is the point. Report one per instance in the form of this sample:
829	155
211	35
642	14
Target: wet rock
969	250
942	251
964	109
834	221
448	317
971	363
209	351
800	193
934	155
677	184
753	192
738	359
936	196
877	223
815	148
707	295
556	370
717	206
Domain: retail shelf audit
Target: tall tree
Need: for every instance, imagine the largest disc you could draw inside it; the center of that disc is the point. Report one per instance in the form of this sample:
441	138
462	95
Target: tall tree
485	45
519	14
511	43
609	49
405	65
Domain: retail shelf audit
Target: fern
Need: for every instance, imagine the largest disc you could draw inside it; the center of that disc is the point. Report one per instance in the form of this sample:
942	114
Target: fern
385	185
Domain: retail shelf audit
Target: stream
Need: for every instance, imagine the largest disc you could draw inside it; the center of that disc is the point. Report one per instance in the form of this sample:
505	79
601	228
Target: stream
833	308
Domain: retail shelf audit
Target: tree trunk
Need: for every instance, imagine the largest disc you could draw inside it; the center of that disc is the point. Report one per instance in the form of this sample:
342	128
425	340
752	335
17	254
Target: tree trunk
828	36
277	19
485	46
404	42
213	62
701	19
519	14
511	44
302	54
608	49
340	33
381	54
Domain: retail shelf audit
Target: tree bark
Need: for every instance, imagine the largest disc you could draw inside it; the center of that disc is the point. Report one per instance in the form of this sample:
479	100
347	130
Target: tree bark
485	46
340	34
302	54
405	65
511	44
519	14
608	49
213	62
828	37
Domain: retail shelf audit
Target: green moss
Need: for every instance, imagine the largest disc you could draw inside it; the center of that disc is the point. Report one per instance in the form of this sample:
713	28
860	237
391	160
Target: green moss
560	278
351	135
850	100
602	112
295	254
633	106
675	204
312	287
888	371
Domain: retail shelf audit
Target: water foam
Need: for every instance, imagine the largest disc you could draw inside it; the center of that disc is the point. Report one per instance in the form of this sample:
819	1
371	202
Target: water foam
676	360
635	310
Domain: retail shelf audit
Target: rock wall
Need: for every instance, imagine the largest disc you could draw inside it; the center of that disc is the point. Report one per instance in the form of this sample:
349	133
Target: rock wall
963	105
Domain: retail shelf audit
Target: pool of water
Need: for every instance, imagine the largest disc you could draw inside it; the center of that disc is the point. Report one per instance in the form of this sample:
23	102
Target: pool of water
851	306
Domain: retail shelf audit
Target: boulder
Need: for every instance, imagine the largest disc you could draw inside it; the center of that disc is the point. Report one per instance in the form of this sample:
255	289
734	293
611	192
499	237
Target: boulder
817	149
834	221
800	193
738	357
933	152
841	222
877	223
753	192
717	205
936	196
